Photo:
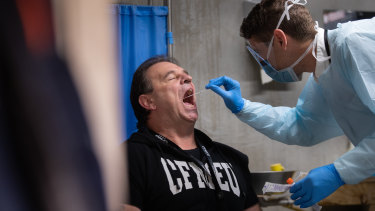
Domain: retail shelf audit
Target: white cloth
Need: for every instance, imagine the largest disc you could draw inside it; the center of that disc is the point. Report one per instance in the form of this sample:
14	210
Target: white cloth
321	52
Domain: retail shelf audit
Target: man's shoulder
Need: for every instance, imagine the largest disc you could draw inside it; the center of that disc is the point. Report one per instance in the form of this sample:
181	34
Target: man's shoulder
138	141
140	152
349	33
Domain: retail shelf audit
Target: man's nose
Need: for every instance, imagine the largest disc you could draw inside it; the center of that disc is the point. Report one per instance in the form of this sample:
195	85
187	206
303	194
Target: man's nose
186	79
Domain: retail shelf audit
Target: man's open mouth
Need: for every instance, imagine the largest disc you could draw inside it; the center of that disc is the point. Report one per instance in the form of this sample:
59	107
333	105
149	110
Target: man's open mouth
189	97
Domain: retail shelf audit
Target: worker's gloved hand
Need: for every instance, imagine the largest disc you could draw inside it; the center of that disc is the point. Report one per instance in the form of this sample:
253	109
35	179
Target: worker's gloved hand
317	185
232	93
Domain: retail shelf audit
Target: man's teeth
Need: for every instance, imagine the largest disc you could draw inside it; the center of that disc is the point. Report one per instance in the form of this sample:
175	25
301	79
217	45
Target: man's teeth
189	93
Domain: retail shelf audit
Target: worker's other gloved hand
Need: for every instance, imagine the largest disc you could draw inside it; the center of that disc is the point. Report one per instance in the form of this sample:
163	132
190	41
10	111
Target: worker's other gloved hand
317	185
232	93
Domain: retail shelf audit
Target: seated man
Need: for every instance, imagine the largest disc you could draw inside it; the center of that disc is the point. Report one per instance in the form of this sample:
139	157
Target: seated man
173	166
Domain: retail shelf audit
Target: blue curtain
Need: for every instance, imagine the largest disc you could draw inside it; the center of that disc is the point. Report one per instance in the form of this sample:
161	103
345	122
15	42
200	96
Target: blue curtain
142	34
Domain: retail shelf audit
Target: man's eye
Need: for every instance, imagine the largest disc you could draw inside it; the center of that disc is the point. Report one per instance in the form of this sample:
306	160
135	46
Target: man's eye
169	79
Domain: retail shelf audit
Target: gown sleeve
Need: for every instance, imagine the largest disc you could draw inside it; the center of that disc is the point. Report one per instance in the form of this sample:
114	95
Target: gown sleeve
308	123
358	51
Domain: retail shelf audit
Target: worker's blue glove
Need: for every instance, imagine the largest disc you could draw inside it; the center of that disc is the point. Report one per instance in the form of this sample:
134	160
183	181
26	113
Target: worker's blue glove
232	93
317	185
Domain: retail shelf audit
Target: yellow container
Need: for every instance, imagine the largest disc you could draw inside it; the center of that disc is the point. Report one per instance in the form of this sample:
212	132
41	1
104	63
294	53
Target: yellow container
277	167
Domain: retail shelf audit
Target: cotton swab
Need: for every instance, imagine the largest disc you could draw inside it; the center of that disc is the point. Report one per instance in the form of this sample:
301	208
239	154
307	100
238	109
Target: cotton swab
196	93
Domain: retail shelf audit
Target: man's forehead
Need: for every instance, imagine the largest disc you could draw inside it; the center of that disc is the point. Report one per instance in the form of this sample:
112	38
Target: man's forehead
161	69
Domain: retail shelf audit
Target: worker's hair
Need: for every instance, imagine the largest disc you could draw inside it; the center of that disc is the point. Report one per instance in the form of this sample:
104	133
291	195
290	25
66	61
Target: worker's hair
263	18
142	85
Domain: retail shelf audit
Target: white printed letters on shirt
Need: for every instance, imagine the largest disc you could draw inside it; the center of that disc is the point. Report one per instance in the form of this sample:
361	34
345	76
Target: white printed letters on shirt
224	174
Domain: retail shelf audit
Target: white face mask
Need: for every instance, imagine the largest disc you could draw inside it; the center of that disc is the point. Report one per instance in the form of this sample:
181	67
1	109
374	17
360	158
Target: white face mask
320	54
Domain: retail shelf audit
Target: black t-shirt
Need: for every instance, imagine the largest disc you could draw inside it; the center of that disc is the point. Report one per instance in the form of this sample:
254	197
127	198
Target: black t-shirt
164	177
195	153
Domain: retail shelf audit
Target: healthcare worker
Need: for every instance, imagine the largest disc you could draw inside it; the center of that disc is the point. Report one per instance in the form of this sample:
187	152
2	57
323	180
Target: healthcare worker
338	98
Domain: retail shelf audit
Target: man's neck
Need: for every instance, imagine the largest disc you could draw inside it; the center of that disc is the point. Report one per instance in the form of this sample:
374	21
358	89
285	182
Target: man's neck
182	135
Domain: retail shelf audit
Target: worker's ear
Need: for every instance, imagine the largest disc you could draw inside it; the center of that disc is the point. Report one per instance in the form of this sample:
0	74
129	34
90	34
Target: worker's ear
147	102
280	39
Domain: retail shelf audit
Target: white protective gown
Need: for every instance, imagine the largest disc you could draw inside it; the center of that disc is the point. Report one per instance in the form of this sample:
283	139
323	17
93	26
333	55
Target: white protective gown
340	101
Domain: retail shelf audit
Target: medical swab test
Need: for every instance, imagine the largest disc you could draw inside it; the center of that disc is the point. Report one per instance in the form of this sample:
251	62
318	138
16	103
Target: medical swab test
196	93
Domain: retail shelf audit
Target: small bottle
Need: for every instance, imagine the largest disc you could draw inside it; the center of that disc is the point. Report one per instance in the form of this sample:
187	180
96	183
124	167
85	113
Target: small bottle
290	181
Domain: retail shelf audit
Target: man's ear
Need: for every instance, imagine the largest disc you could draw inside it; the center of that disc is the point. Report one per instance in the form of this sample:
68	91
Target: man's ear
280	39
147	102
